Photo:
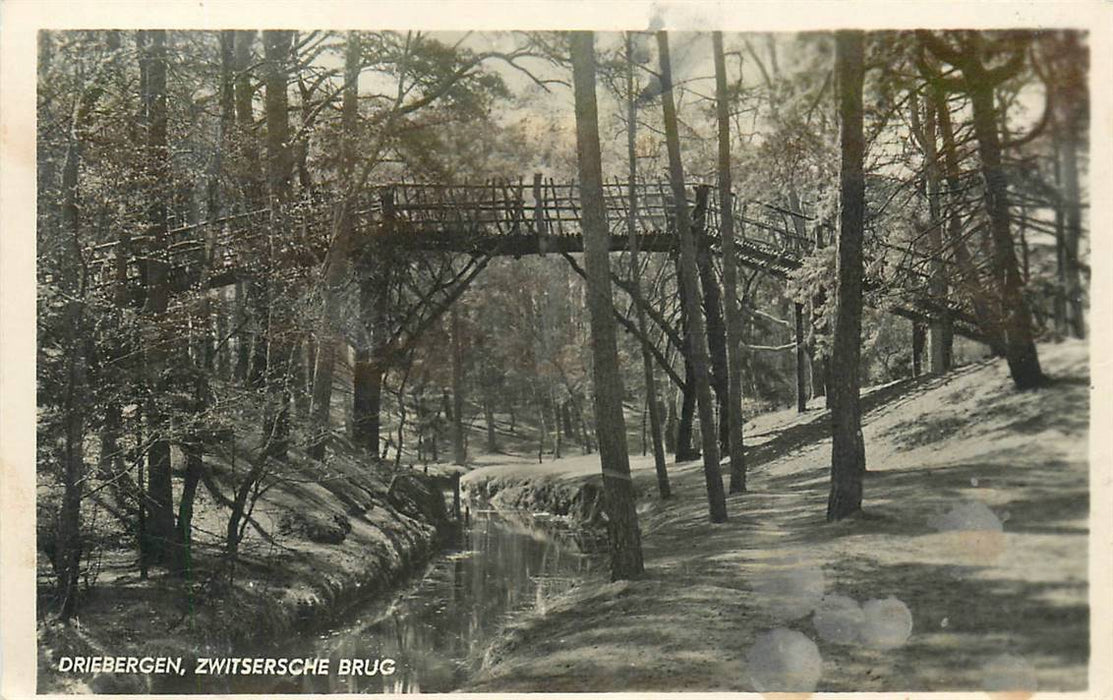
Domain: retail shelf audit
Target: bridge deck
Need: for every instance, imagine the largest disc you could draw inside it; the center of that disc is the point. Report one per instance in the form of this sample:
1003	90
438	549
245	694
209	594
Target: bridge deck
487	221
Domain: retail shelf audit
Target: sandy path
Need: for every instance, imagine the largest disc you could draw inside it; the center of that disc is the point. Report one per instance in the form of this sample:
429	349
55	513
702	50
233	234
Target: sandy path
976	522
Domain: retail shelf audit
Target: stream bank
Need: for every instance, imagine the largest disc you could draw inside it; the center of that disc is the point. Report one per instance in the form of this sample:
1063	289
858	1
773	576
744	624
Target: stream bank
571	488
435	631
322	547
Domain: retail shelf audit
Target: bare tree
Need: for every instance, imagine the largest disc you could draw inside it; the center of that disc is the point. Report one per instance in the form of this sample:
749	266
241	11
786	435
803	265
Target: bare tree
1064	72
337	257
67	559
160	497
978	81
622	520
635	273
280	170
689	280
730	274
941	336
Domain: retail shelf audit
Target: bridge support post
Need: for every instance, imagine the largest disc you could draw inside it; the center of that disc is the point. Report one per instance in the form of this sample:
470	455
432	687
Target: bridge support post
801	395
919	333
941	339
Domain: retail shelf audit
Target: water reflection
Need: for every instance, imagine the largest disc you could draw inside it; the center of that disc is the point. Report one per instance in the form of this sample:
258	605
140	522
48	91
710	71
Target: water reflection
439	628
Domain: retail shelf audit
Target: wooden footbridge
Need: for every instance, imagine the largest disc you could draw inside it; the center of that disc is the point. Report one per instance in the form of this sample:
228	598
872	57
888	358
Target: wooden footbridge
489	220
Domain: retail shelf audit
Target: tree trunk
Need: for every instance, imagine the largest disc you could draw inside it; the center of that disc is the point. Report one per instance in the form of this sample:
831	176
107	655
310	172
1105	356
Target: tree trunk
68	548
402	415
685	452
245	117
689	279
251	358
652	406
183	564
558	435
622	518
374	272
801	359
1072	227
848	458
585	430
435	435
1025	263
110	463
421	421
820	376
337	260
449	414
239	513
222	327
240	320
1060	302
940	332
713	312
258	306
214	351
280	356
820	373
194	443
734	415
543	425
119	355
1020	349
672	427
160	497
459	449
228	76
971	283
280	156
367	397
321	400
299	376
489	417
67	560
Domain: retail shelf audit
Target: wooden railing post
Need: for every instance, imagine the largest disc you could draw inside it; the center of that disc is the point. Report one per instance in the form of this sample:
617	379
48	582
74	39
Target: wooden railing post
390	211
519	208
919	331
540	226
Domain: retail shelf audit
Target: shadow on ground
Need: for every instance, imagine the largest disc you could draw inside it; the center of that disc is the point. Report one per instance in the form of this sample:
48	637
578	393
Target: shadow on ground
1016	584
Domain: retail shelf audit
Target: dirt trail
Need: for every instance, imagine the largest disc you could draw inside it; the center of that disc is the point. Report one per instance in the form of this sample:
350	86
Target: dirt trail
975	533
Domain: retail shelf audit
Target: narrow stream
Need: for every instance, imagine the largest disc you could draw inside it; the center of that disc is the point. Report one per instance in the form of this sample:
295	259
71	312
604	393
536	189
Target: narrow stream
437	629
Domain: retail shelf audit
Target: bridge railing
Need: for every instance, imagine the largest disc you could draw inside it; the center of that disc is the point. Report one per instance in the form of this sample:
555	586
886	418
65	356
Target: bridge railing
474	217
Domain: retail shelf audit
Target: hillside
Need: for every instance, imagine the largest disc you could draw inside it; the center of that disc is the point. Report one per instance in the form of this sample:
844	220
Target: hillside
975	532
324	538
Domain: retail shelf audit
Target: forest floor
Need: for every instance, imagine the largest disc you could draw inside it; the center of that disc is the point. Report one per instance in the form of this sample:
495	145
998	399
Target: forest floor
974	534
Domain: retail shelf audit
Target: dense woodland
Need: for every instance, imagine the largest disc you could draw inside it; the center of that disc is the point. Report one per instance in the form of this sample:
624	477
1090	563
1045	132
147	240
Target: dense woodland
210	292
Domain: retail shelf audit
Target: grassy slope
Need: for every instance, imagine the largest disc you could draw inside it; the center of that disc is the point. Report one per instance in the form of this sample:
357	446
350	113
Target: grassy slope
281	586
689	623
